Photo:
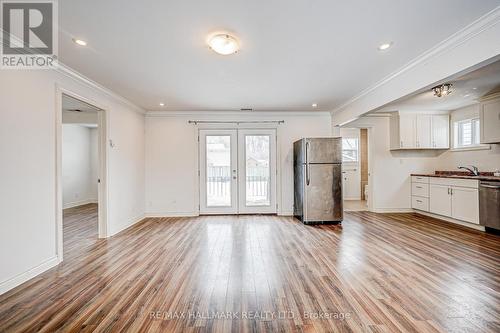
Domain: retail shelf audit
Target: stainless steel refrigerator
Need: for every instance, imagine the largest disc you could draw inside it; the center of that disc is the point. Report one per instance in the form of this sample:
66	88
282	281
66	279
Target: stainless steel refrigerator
318	180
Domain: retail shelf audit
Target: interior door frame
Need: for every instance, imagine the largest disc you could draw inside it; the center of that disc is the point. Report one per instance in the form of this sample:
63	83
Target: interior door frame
102	192
242	207
203	207
217	126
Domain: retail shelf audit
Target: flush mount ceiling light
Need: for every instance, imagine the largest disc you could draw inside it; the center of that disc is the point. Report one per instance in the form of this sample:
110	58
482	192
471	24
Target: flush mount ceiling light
442	90
80	42
223	44
314	105
385	46
162	104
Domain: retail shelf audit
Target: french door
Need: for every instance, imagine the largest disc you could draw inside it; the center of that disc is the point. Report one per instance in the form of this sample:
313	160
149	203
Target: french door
237	171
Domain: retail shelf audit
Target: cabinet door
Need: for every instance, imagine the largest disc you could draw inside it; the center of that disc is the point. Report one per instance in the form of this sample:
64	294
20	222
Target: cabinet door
440	200
407	130
440	131
465	204
423	130
490	121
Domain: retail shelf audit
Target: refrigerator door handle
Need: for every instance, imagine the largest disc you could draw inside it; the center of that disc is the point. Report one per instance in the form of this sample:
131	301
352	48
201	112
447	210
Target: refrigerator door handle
307	164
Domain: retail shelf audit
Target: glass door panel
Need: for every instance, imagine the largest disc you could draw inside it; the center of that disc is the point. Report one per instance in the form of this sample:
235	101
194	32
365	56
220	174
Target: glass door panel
257	169
218	172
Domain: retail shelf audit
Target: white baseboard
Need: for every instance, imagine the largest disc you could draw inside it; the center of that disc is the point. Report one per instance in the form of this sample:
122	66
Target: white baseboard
286	213
29	274
130	223
392	210
79	203
173	214
452	220
352	198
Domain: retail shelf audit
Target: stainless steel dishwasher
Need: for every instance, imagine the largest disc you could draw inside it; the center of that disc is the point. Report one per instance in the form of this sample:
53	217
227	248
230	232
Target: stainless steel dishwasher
489	205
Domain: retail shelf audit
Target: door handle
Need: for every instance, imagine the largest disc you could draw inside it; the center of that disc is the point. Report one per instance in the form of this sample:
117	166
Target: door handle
307	164
489	186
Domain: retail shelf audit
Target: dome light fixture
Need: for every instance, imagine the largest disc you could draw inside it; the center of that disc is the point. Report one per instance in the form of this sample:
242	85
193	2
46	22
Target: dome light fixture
224	44
442	90
80	42
385	46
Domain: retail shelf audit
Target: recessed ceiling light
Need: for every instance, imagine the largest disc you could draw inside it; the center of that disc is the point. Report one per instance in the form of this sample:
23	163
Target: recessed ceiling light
224	44
162	104
384	46
80	42
314	105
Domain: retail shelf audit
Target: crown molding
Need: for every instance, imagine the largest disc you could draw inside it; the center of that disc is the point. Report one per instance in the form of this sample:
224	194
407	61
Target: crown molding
152	114
77	76
481	24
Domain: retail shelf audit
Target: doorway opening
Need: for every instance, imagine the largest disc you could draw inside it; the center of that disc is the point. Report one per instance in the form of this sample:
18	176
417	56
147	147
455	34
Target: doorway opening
355	169
237	171
81	174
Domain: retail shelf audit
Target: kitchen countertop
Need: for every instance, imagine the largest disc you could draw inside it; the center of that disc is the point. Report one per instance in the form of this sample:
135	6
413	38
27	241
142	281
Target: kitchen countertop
459	175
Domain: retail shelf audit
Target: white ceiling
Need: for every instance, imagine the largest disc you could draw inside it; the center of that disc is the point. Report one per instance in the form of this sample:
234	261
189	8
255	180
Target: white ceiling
467	90
293	53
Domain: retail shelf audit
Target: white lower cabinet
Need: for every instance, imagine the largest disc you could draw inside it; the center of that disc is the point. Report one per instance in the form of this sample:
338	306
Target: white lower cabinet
465	204
440	200
455	198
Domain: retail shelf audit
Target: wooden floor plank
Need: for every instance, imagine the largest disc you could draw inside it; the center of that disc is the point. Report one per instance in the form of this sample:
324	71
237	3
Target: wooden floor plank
374	273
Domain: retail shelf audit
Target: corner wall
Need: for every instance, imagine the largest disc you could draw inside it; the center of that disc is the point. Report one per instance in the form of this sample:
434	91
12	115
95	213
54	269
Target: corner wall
28	170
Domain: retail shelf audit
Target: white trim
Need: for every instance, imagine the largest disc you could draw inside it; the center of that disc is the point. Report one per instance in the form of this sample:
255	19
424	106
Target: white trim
269	114
28	275
478	147
79	203
130	223
436	54
286	213
75	75
172	214
452	220
392	210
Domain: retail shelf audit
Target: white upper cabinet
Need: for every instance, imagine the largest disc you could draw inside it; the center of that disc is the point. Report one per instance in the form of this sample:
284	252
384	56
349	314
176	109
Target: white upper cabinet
489	114
420	131
441	131
424	131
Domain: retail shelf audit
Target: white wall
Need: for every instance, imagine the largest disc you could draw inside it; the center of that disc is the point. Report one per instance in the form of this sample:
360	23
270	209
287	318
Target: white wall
28	168
172	155
390	170
79	165
485	160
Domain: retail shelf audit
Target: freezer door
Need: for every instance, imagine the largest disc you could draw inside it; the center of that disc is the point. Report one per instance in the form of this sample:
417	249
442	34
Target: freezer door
323	150
323	194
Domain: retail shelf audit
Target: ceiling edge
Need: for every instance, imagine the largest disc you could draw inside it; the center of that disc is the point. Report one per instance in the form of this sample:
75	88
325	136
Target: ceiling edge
75	75
482	23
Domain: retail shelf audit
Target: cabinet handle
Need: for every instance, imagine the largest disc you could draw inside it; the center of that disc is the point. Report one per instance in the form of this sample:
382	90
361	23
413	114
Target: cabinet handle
401	144
451	191
448	191
419	201
418	186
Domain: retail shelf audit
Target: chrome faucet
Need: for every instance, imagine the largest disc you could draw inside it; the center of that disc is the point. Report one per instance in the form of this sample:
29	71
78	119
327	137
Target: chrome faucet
474	170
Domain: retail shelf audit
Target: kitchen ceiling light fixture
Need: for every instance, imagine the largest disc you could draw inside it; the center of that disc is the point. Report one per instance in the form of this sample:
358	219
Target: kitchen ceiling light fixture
224	44
80	42
314	105
384	46
162	104
442	90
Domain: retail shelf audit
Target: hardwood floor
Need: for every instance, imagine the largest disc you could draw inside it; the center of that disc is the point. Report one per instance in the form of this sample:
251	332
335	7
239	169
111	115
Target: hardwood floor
375	273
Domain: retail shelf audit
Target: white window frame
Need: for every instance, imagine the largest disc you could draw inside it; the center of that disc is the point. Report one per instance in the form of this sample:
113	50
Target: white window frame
357	150
457	140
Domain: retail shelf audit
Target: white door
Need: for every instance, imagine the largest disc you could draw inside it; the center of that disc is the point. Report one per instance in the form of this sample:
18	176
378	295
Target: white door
465	204
423	131
352	182
218	171
440	200
257	170
237	171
